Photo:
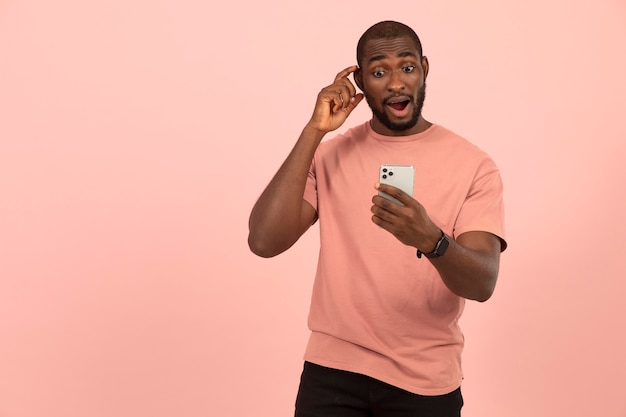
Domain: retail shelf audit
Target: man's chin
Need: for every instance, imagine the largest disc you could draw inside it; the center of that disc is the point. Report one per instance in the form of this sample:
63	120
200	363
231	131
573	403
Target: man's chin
399	126
395	126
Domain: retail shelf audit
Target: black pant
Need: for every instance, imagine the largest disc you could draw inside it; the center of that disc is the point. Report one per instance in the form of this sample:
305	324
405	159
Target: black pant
326	392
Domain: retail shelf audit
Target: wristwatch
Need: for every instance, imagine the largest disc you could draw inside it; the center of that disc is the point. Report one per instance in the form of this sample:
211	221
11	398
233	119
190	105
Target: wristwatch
440	248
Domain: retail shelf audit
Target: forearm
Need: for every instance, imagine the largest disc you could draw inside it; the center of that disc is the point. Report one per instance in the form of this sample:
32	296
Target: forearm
471	272
469	267
276	220
280	215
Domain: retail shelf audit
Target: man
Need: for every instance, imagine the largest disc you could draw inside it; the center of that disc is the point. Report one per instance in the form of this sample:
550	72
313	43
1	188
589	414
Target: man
385	339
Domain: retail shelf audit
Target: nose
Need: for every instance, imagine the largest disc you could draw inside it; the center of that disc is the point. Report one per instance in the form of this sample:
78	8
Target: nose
396	82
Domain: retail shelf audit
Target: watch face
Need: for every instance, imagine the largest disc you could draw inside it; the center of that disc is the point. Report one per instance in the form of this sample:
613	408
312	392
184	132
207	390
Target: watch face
441	248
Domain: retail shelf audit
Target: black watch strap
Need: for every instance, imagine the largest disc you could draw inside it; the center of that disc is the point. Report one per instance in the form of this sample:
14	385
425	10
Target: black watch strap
440	248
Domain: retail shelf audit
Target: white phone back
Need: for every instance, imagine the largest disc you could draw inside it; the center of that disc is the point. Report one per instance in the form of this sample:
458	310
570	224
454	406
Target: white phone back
400	176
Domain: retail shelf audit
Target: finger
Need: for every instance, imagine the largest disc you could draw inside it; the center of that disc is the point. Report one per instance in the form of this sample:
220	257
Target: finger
381	222
345	72
345	95
354	101
395	192
351	91
380	212
384	219
347	84
333	96
345	101
386	209
346	87
352	88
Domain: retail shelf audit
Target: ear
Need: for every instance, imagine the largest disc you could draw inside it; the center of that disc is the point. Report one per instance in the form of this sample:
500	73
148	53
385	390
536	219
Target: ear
358	78
425	66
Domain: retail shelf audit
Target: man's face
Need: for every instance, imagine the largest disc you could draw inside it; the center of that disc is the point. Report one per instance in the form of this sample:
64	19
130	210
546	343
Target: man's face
392	78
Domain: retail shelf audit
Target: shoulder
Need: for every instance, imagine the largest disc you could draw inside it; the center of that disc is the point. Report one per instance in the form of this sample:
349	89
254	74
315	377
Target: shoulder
459	147
449	137
342	141
354	133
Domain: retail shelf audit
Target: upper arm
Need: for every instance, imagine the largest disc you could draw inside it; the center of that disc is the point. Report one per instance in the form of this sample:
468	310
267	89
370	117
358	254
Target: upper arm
308	216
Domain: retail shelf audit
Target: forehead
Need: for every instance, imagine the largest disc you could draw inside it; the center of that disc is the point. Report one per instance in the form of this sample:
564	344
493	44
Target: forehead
379	49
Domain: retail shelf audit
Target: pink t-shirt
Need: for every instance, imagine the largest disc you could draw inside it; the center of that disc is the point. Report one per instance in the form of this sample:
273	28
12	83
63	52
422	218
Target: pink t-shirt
376	308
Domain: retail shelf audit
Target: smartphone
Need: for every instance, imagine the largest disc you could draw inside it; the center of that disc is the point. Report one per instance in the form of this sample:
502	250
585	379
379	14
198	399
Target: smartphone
400	176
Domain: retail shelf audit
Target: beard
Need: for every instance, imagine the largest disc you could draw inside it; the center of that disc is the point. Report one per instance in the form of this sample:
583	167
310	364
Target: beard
381	115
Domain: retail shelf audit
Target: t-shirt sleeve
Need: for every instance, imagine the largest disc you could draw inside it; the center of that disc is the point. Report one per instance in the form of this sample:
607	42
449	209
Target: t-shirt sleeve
483	209
310	190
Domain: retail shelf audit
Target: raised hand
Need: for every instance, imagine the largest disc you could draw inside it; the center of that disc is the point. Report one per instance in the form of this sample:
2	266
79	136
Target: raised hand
335	102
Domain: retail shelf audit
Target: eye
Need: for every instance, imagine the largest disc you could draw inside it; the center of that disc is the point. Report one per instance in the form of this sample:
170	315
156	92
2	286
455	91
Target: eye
378	73
408	68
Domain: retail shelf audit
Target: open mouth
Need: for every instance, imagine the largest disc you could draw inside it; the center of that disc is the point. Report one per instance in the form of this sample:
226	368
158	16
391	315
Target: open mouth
399	105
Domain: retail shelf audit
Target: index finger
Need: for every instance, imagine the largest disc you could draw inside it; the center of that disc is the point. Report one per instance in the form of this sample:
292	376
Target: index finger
347	71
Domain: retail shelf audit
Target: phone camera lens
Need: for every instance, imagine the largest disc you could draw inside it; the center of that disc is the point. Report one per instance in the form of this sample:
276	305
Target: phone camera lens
384	169
384	176
390	173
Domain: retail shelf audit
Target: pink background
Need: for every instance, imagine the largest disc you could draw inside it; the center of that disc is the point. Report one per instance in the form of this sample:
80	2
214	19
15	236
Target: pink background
136	135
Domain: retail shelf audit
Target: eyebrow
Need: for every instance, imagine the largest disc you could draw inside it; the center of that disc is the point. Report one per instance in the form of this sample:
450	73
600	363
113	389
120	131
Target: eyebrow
400	55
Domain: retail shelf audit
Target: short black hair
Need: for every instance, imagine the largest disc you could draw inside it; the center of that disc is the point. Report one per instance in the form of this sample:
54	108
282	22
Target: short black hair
387	29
